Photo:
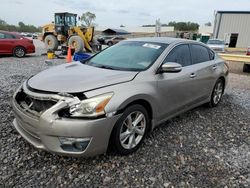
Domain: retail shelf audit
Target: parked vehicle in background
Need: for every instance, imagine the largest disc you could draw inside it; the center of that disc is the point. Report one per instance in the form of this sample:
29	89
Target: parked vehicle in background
117	96
101	39
217	45
34	36
16	44
114	40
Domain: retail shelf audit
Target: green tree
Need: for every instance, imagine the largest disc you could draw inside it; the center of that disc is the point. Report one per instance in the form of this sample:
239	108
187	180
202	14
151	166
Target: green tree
87	18
184	26
208	24
21	27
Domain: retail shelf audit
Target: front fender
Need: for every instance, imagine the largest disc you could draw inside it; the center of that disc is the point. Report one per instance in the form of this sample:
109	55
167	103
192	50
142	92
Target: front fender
126	93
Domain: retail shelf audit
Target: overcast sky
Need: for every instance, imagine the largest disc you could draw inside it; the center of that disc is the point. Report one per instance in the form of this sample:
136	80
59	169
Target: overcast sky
113	13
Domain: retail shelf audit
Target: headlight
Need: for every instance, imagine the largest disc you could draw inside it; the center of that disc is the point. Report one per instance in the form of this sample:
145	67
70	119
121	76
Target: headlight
91	107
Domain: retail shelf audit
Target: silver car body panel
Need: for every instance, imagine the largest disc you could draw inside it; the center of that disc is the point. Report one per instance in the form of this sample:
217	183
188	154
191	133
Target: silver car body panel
77	77
168	94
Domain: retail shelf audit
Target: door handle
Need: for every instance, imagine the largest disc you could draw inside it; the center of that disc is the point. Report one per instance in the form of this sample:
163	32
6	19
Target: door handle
214	67
192	75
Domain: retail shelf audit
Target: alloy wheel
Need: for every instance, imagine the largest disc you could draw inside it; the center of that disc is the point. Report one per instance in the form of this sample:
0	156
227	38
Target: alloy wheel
19	52
132	130
218	90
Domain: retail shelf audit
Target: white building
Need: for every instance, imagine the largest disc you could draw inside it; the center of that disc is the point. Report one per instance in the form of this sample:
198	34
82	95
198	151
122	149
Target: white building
233	27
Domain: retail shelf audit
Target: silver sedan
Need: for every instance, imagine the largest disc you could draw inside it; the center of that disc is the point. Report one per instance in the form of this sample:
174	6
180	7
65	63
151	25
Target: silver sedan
116	97
217	45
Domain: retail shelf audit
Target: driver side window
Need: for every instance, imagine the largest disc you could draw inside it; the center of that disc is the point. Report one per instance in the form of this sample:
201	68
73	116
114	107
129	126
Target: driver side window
180	54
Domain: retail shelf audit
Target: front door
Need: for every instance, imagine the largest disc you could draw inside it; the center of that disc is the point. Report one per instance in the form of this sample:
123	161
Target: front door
176	90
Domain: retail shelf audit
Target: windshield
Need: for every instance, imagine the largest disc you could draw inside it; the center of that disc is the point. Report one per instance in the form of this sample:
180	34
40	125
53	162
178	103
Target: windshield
128	56
215	42
69	20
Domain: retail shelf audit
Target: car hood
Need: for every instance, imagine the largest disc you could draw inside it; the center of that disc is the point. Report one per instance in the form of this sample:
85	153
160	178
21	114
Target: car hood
77	77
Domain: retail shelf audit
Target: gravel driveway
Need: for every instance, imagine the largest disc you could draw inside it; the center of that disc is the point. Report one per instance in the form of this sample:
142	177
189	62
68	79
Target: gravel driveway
203	148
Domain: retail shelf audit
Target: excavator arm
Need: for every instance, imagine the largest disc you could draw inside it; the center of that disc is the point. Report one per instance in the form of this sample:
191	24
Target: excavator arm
86	35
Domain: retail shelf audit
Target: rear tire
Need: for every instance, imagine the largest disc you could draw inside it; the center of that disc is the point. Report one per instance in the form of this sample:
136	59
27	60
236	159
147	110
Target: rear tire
51	42
217	93
130	130
19	52
77	43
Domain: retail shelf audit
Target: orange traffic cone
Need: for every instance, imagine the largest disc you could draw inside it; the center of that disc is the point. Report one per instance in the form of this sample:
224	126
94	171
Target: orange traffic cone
69	56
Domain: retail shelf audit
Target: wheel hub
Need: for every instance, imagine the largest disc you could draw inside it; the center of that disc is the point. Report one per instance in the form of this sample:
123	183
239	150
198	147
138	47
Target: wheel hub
132	130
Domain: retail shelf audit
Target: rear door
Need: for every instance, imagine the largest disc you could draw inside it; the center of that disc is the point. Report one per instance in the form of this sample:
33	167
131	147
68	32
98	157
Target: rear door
176	90
203	69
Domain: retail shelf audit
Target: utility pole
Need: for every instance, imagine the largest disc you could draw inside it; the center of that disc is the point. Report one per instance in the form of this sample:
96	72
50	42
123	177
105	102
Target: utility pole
158	28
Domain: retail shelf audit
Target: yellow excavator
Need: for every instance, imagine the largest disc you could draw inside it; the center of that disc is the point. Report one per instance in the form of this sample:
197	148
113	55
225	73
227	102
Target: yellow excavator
64	30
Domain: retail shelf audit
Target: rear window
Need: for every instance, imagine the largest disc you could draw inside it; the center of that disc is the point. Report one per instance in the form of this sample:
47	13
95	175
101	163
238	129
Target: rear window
199	54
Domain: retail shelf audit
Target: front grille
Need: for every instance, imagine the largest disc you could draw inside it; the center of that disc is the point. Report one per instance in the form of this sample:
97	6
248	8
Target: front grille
31	104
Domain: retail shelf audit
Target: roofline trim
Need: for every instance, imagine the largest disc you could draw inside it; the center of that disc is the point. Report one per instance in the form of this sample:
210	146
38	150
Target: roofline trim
233	12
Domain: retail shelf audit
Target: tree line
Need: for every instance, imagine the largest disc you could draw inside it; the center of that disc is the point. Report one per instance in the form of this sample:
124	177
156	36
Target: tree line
180	26
21	27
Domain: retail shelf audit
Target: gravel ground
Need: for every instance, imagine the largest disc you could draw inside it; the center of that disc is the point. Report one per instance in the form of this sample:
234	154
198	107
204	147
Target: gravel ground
201	148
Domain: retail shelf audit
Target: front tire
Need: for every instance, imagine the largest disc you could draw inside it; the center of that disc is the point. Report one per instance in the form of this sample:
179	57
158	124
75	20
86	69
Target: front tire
77	43
19	52
130	130
217	93
51	42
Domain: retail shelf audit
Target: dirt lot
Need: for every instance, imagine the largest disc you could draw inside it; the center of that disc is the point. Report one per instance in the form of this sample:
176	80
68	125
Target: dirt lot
201	148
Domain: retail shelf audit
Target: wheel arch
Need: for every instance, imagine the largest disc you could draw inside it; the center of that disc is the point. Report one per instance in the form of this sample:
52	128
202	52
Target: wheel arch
143	102
223	80
20	46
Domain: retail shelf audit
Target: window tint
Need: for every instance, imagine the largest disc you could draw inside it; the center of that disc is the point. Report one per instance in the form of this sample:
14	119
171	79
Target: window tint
179	54
199	53
9	36
1	36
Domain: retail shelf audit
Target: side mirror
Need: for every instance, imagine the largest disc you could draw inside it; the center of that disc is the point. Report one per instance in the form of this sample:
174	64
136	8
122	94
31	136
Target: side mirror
226	44
171	67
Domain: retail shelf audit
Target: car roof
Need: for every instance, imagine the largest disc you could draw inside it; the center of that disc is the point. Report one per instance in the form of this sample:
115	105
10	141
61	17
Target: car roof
10	32
165	40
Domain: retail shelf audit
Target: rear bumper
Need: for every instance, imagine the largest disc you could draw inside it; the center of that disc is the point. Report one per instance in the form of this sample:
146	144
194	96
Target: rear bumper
44	132
221	50
30	49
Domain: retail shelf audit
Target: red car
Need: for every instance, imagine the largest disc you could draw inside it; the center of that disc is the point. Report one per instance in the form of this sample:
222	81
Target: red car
13	43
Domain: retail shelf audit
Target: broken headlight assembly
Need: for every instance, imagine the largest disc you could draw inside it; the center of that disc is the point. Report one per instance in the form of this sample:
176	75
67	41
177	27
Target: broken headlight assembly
91	107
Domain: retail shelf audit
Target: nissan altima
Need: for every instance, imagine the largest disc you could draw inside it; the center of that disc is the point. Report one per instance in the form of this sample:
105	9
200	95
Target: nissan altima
113	99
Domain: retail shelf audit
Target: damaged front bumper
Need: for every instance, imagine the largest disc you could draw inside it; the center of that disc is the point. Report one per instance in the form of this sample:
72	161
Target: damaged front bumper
65	136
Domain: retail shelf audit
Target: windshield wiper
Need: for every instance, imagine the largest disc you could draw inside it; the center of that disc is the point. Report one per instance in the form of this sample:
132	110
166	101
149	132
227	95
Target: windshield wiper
105	67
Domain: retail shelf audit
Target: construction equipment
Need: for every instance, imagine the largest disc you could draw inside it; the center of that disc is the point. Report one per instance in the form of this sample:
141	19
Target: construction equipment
64	30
